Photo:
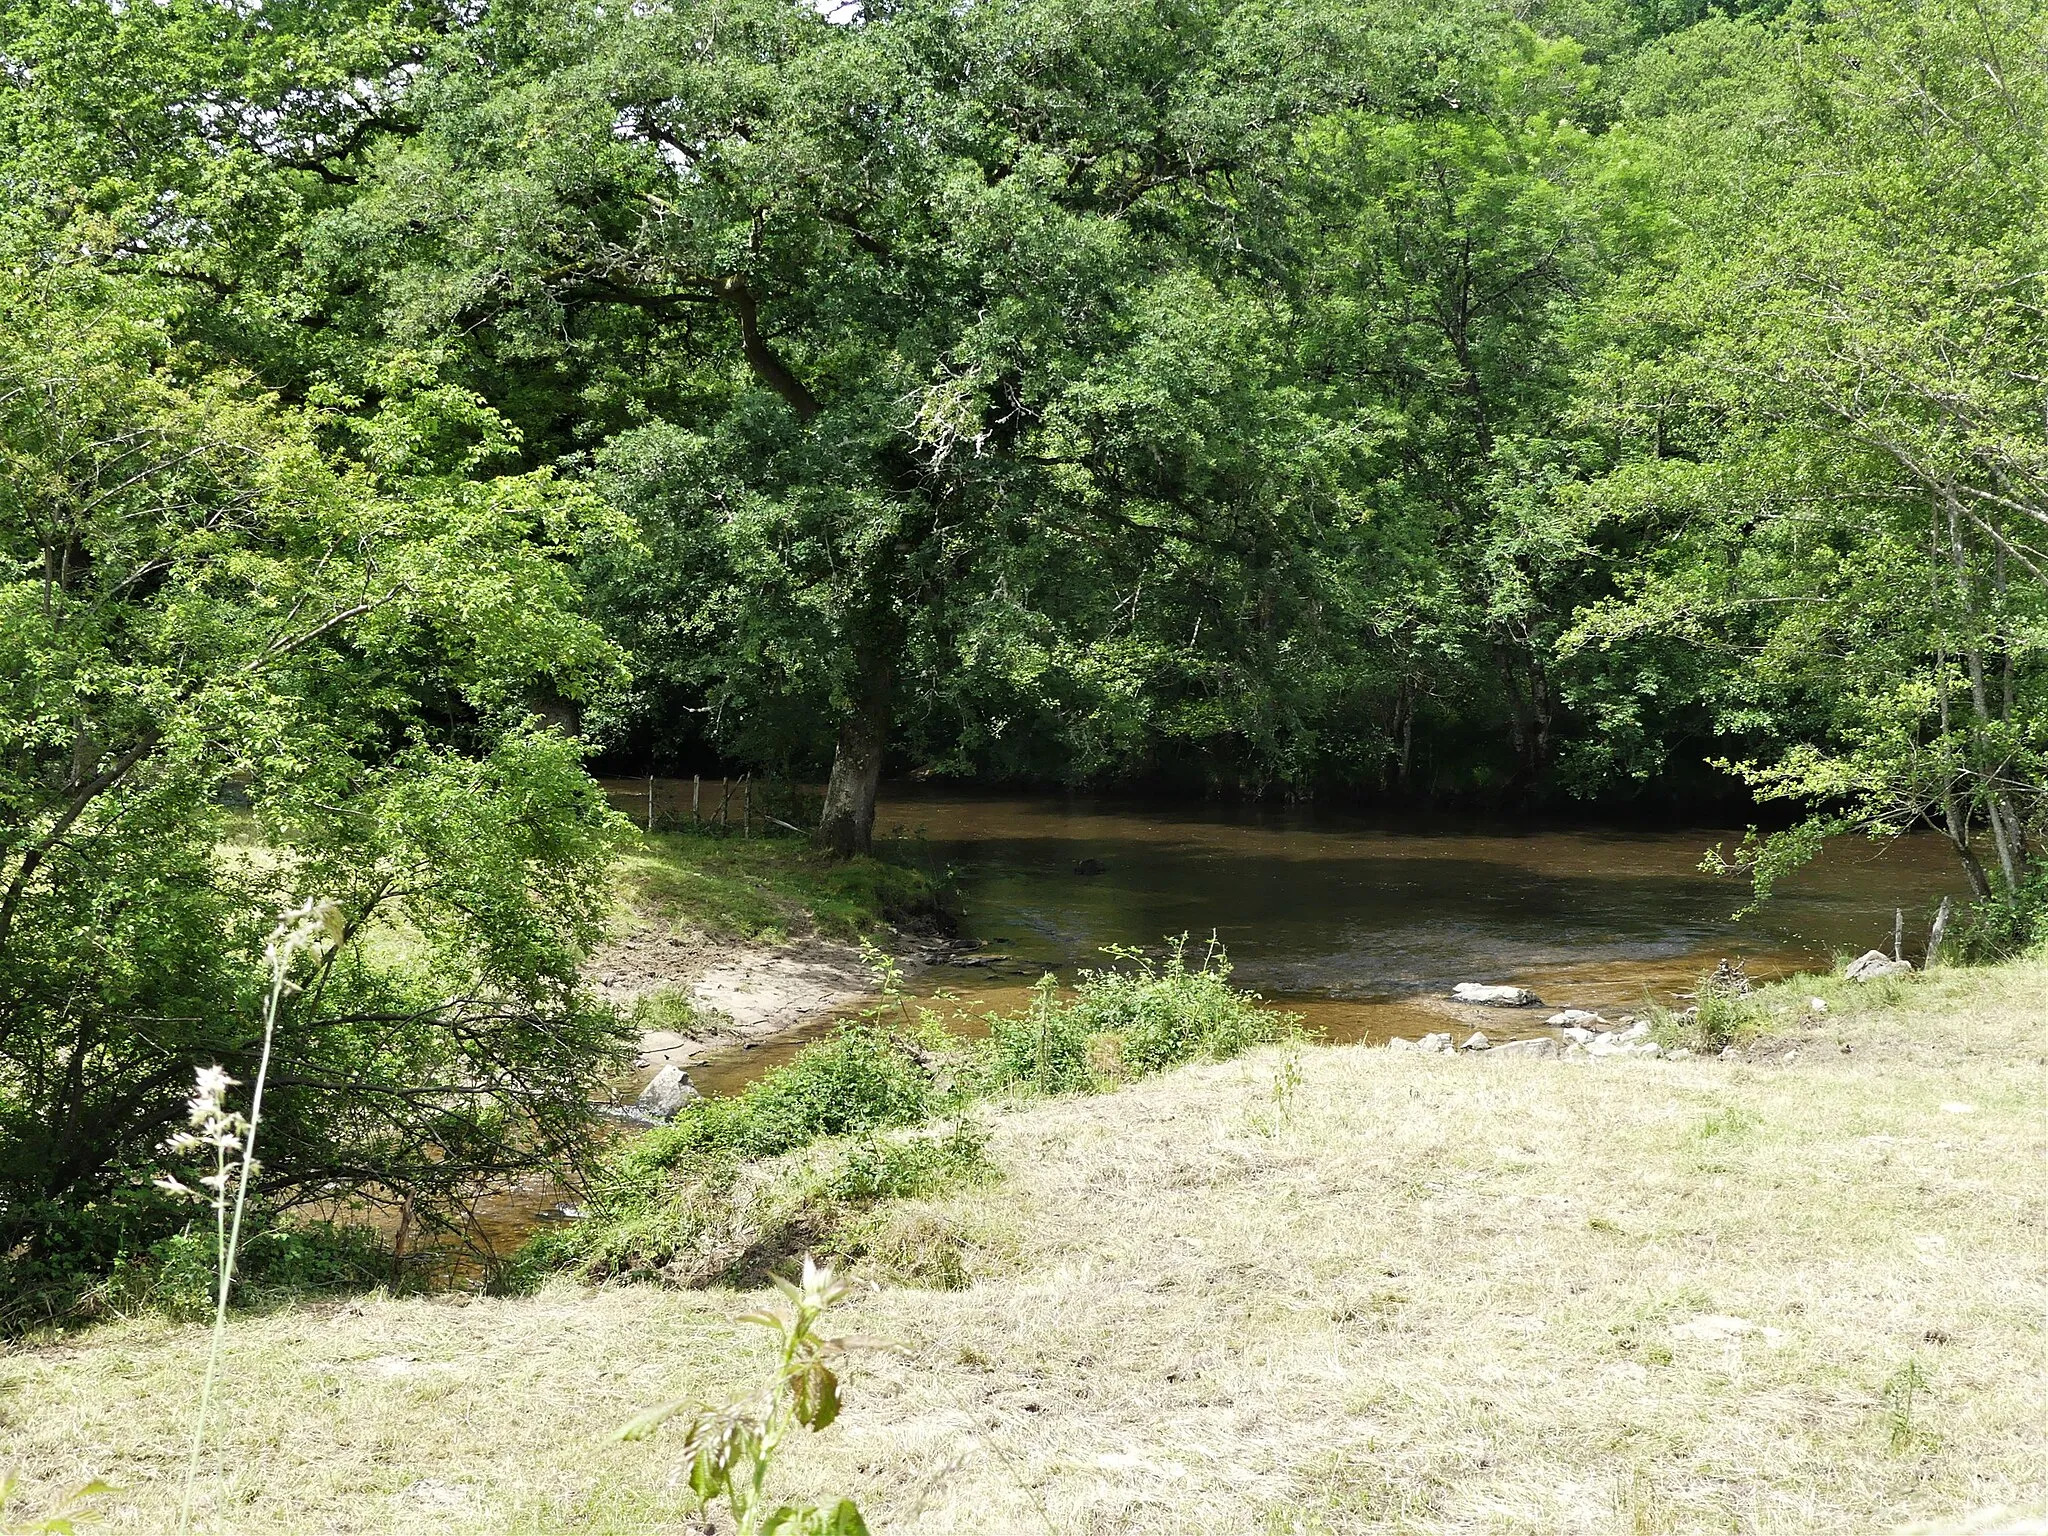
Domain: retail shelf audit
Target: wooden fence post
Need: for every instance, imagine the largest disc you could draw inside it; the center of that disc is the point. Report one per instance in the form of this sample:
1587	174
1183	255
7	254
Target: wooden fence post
1936	934
747	806
724	802
650	800
696	793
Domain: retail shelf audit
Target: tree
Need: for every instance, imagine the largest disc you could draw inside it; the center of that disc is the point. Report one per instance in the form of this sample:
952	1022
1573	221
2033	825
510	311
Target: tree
923	300
1835	396
239	668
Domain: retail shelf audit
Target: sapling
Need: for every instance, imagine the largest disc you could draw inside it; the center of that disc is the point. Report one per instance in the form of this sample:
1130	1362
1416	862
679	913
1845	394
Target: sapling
730	1451
61	1521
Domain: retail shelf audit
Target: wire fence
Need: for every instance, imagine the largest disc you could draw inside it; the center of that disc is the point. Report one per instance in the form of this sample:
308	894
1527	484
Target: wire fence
737	807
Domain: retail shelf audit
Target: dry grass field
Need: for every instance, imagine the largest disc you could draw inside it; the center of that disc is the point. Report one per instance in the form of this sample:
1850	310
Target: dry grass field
1799	1293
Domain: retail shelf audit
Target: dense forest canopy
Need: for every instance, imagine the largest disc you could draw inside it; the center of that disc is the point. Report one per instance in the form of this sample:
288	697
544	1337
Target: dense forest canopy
1602	400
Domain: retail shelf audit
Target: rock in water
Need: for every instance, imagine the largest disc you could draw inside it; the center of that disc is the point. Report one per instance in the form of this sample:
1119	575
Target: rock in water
1494	997
1527	1048
1875	964
1573	1018
669	1092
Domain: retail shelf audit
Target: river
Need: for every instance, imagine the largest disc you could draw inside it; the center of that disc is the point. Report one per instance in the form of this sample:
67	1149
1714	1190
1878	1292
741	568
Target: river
1357	919
1359	922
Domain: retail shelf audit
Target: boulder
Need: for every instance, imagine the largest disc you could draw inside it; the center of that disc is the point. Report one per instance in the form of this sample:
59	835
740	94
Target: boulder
1636	1031
669	1092
1527	1048
1573	1018
1494	997
1875	964
1576	1036
1478	1042
1398	1044
1435	1043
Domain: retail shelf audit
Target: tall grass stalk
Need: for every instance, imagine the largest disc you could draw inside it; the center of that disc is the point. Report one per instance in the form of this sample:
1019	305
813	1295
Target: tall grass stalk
312	925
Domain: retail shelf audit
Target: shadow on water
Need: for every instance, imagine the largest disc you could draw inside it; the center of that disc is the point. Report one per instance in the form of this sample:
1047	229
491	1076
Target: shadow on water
1319	908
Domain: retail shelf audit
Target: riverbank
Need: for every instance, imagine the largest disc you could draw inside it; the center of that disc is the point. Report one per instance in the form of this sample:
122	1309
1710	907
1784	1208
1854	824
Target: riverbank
723	941
1800	1292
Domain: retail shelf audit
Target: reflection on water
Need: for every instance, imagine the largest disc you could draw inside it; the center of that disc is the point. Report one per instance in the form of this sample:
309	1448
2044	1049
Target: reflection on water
1358	923
1349	917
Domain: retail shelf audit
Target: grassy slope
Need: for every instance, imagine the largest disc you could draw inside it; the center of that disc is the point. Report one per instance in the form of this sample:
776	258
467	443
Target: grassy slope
1447	1294
765	888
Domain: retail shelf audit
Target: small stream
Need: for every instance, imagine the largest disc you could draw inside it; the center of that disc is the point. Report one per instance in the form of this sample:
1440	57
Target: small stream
1358	922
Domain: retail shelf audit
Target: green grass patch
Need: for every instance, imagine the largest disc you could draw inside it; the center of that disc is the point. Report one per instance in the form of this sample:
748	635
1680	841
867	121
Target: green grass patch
767	888
881	1111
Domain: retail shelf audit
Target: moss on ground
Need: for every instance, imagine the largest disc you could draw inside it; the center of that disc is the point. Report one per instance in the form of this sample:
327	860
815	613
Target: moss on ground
767	888
1798	1293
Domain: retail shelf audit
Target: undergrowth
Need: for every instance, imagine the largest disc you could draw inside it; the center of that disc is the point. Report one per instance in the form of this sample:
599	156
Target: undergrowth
883	1111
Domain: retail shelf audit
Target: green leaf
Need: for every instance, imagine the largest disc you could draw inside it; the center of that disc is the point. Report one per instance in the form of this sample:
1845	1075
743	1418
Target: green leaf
815	1391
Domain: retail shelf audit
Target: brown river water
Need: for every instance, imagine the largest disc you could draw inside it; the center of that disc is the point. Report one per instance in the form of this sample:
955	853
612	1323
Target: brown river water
1359	922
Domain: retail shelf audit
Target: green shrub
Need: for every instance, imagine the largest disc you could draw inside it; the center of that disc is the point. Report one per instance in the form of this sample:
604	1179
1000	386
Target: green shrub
1724	1013
2008	924
860	1078
665	1010
1127	1023
1044	1048
904	1167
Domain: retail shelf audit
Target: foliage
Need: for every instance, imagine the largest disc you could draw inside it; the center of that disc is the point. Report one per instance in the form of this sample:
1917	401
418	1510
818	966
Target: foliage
731	1451
1724	1013
202	605
65	1519
1827	394
1126	1023
733	1184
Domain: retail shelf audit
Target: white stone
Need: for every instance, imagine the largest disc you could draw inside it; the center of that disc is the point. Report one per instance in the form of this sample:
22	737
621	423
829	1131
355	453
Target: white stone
1537	1047
1493	996
1579	1036
1681	1054
1875	964
1435	1043
1398	1044
1476	1043
1573	1018
669	1092
1817	1004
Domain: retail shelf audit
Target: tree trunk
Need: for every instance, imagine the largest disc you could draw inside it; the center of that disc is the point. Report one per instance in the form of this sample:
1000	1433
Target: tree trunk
1958	828
847	827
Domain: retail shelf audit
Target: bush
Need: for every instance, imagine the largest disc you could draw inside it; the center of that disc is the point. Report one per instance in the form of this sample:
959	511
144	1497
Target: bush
2007	924
1724	1013
1122	1024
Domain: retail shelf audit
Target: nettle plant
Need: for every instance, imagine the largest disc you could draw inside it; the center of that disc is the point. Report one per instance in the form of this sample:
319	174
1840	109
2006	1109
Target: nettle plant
730	1451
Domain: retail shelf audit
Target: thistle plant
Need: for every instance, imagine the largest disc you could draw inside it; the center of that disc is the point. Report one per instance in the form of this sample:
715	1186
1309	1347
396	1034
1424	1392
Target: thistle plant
730	1451
228	1138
